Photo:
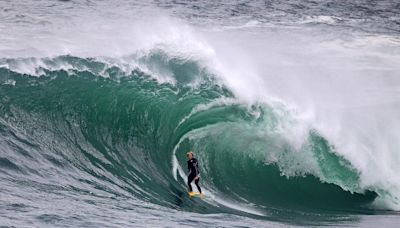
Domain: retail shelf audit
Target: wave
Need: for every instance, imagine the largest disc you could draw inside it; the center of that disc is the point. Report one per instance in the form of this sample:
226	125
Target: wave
89	125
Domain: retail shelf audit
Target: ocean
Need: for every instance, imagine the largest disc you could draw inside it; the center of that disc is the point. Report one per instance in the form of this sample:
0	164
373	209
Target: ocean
291	107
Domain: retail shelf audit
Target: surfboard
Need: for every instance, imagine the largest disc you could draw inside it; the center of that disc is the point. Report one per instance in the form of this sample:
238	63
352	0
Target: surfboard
196	194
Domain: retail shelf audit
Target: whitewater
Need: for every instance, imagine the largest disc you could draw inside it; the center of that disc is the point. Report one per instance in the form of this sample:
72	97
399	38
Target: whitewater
292	109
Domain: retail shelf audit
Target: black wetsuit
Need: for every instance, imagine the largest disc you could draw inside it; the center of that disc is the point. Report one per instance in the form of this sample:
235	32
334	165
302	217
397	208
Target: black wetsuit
193	167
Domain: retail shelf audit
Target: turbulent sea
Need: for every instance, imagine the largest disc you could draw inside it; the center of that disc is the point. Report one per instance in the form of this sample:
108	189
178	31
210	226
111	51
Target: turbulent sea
292	108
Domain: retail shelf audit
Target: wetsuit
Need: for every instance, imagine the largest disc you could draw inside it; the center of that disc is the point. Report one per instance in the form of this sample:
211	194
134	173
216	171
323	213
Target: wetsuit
193	167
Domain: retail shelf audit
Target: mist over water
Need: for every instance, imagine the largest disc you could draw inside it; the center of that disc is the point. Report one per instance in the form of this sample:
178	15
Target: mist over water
291	107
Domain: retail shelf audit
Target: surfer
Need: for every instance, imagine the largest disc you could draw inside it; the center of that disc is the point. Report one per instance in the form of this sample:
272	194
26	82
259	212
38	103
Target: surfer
194	172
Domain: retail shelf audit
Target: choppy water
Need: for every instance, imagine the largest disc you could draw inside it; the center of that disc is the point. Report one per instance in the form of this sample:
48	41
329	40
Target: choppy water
292	108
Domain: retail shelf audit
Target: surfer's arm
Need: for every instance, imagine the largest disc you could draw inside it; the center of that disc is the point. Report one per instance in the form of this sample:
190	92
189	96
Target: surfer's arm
196	168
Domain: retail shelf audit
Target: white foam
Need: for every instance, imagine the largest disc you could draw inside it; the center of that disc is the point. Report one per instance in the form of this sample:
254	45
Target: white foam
320	19
346	88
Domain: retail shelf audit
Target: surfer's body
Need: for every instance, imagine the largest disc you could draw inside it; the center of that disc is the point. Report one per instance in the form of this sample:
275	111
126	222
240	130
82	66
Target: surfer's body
194	172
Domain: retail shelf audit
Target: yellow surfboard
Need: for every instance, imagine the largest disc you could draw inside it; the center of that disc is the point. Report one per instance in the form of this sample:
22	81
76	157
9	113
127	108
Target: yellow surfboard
196	194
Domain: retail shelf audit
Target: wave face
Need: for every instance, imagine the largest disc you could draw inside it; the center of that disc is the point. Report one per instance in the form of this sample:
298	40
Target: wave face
94	131
80	132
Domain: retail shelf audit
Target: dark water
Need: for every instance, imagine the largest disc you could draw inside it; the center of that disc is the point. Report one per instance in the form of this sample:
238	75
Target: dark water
100	101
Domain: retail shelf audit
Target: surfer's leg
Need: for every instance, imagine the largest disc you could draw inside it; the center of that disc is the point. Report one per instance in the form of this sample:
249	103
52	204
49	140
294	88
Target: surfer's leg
190	179
197	184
